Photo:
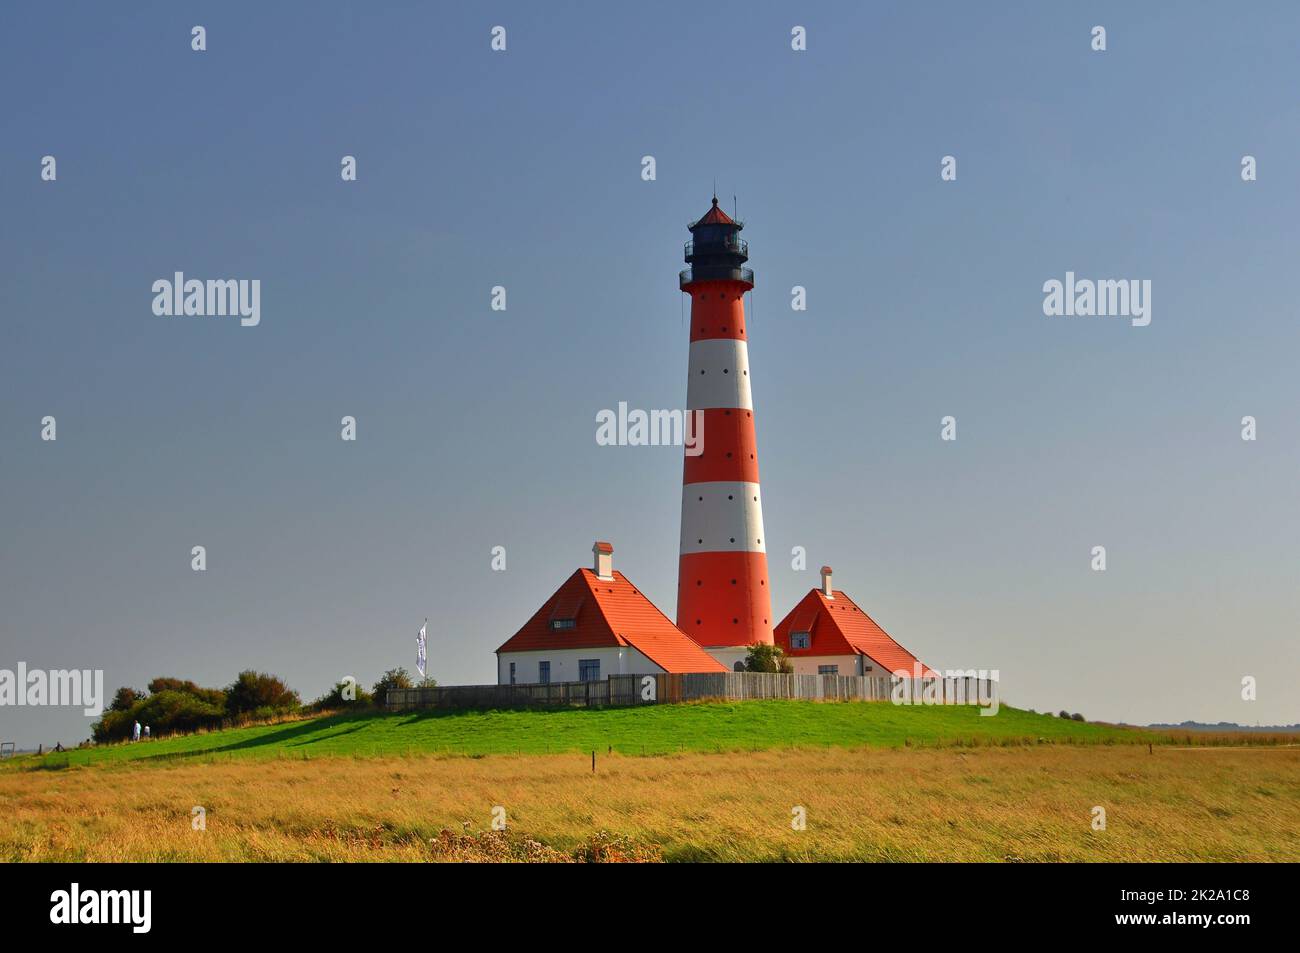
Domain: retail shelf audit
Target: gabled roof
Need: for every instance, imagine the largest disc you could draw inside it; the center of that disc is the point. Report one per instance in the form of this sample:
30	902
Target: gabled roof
567	606
608	613
838	627
804	616
715	216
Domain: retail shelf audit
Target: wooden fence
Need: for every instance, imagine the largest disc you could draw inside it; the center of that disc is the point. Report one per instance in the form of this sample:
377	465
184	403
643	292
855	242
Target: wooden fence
721	686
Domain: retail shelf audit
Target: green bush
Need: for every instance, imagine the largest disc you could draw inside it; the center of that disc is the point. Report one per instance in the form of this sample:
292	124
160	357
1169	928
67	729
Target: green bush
178	705
172	711
334	699
255	690
114	725
209	696
767	658
166	712
393	678
125	699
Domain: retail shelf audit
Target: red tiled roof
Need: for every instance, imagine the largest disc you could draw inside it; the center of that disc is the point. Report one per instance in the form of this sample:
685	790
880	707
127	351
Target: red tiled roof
715	216
568	605
804	616
839	627
610	613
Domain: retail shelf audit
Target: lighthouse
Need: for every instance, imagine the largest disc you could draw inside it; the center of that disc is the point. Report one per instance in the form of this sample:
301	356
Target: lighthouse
723	597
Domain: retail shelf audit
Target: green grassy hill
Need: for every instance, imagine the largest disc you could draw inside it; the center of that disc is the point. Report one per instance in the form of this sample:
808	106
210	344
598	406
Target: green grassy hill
660	729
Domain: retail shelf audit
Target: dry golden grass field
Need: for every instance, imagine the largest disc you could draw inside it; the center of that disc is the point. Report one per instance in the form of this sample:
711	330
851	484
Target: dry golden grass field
1031	803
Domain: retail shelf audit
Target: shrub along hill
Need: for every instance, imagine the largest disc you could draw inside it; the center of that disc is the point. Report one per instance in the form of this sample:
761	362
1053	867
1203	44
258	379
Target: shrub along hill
659	729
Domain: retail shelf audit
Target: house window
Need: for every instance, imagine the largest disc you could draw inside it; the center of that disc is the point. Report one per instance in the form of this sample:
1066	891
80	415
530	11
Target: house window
799	640
512	673
828	670
563	623
544	672
588	669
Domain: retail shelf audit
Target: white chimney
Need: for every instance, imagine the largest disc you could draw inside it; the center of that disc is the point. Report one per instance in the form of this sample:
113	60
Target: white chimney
827	591
604	553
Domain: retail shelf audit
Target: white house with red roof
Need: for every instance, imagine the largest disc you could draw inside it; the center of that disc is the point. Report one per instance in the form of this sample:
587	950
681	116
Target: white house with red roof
828	634
595	625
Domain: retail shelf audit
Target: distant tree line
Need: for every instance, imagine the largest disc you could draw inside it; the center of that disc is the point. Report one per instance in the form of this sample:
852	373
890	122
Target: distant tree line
174	705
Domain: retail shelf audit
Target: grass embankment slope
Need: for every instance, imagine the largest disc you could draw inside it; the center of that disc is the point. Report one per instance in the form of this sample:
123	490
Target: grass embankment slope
651	730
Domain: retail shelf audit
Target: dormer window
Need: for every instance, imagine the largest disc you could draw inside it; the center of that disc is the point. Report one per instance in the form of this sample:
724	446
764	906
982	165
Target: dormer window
563	623
800	640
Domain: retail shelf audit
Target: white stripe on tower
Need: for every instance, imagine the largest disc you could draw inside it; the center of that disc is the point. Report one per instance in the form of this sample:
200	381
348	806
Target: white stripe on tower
722	517
719	375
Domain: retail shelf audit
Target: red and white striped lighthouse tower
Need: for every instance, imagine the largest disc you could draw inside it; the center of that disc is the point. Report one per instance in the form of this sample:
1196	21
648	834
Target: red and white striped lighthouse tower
723	599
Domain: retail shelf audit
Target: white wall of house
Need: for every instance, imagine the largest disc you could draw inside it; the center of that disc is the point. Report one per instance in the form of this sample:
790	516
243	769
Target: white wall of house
803	664
616	660
729	655
849	664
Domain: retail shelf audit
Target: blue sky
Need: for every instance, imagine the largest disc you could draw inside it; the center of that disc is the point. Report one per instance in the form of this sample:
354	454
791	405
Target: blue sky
476	428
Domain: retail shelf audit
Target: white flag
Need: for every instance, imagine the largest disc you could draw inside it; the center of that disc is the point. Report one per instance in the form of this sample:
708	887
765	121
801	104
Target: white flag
419	649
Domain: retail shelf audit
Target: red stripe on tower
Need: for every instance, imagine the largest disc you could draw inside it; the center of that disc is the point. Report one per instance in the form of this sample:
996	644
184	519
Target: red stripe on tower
723	600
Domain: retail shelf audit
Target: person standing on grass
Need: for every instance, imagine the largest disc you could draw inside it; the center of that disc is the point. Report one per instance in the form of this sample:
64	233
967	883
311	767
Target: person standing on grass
135	732
146	732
